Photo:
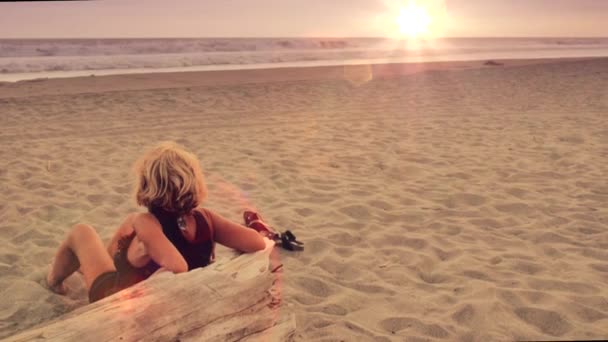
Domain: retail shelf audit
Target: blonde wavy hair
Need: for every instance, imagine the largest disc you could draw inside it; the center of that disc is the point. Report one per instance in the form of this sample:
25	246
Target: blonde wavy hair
169	178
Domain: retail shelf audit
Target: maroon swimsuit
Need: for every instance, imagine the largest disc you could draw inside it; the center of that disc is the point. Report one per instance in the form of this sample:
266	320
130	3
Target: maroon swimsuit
198	253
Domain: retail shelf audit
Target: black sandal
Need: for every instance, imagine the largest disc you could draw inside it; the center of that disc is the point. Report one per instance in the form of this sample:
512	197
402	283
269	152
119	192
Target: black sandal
287	239
290	243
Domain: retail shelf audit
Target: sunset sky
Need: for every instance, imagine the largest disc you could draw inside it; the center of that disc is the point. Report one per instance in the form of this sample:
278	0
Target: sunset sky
291	18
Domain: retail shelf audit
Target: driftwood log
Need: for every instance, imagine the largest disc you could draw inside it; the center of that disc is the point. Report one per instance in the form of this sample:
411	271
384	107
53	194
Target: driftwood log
235	300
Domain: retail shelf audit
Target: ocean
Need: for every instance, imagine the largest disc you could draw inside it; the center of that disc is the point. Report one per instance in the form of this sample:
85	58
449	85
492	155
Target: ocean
22	59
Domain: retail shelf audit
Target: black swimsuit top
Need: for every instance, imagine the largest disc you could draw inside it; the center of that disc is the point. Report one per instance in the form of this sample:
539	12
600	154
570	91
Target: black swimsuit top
198	253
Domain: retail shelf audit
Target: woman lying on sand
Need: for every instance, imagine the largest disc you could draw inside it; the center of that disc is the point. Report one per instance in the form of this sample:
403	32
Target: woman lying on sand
174	234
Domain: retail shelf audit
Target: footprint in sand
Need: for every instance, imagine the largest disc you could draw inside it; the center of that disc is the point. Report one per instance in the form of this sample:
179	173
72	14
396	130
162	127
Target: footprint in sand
565	286
464	200
339	269
320	323
599	267
45	242
331	309
527	268
515	208
394	325
30	235
305	212
93	182
446	255
477	275
590	231
517	192
537	297
24	210
357	212
399	241
122	189
460	175
552	238
380	205
22	176
95	199
496	260
344	252
345	239
571	139
587	314
549	322
464	315
314	287
486	223
360	193
595	254
317	246
433	278
307	299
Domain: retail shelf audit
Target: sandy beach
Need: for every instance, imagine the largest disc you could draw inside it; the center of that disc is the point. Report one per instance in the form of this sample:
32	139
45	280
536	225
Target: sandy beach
439	201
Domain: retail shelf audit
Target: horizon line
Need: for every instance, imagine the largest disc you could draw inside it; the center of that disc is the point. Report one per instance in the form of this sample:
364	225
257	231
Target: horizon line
312	37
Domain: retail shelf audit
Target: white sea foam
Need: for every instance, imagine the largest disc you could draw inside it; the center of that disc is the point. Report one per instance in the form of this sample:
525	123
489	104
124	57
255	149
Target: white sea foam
22	59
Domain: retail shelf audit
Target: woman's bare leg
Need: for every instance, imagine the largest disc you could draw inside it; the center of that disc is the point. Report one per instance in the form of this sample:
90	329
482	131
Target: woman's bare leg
82	249
64	264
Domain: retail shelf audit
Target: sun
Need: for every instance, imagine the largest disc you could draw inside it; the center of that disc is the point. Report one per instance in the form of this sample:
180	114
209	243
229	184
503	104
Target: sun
413	20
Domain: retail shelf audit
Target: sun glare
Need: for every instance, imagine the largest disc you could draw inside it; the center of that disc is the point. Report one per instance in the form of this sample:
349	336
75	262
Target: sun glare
413	20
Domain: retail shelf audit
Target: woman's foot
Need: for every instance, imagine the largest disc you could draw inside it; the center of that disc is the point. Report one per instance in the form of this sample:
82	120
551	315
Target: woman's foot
53	285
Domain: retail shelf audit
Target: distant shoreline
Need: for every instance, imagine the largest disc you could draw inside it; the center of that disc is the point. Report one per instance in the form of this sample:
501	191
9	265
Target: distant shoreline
166	80
20	77
59	58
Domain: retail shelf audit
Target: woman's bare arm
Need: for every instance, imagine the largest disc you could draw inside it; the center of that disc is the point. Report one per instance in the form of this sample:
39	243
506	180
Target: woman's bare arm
125	228
160	249
234	235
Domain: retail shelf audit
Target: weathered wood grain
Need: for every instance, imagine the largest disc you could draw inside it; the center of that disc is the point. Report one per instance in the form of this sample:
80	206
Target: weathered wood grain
236	300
